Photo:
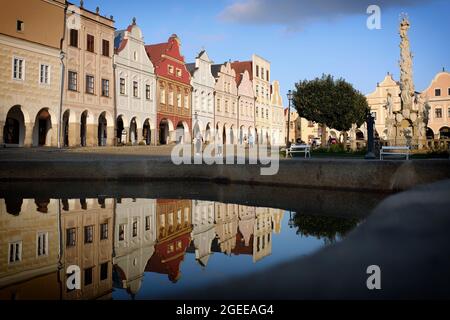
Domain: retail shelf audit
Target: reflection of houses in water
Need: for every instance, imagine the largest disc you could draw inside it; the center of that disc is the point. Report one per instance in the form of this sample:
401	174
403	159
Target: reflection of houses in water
204	231
174	227
29	252
244	237
134	241
226	226
87	238
262	245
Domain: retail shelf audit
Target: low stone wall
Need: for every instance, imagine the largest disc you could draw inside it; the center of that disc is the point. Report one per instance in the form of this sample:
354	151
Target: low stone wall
383	176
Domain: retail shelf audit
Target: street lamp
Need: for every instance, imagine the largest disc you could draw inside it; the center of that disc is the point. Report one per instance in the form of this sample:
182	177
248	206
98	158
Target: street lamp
370	135
290	96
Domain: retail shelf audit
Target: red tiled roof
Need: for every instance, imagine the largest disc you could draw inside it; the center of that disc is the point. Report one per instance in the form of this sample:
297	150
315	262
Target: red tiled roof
155	51
240	67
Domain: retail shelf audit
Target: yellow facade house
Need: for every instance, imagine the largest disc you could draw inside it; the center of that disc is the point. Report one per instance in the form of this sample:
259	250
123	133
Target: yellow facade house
31	33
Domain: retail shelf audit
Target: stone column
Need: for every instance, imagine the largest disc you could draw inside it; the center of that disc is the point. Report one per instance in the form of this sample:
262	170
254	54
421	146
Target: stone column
110	136
140	138
2	125
74	134
28	140
91	135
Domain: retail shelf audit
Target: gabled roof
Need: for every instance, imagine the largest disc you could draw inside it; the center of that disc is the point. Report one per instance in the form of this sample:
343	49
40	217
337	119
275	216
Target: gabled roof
240	67
191	68
155	51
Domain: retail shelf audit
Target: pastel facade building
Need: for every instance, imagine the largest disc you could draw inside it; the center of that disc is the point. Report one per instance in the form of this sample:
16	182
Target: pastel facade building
135	89
227	219
261	85
31	32
437	99
246	101
173	93
203	84
277	118
226	104
88	101
134	241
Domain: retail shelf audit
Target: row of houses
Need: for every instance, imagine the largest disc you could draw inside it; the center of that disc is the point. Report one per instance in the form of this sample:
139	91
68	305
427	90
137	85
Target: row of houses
115	242
71	79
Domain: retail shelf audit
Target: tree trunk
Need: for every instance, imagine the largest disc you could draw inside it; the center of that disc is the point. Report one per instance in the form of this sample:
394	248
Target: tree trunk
324	135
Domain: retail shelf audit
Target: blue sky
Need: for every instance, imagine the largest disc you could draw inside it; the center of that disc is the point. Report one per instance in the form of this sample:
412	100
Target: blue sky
301	38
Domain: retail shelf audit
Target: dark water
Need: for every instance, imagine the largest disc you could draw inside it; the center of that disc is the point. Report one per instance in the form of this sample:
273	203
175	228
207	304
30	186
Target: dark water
157	247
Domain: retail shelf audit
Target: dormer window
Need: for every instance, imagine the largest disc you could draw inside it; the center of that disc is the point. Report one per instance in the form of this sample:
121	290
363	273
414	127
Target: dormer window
437	92
171	69
179	73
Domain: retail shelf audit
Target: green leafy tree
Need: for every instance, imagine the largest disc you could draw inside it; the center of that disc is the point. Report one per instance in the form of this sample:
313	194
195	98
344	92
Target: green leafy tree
331	103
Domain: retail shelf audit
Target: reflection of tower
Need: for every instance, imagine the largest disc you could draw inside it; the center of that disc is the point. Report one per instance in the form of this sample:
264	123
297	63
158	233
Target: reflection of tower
262	245
226	226
134	241
87	233
29	256
203	232
277	219
174	227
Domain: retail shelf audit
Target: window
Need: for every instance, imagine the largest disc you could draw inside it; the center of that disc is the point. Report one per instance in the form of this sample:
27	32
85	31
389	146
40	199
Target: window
171	98
74	38
44	77
267	113
73	79
437	92
267	75
90	43
135	228
88	234
170	68
90	84
20	25
122	86
147	92
104	271
121	232
148	223
186	101
257	90
71	237
438	113
104	231
15	251
87	276
42	244
105	48
218	104
257	71
257	111
178	73
448	115
135	89
105	88
18	69
262	73
448	91
163	96
226	106
179	100
135	56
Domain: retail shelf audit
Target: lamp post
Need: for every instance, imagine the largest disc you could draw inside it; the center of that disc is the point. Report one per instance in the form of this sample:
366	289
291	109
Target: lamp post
290	97
370	136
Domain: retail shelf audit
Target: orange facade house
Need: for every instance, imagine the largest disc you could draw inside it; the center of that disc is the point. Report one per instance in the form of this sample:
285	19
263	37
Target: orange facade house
174	117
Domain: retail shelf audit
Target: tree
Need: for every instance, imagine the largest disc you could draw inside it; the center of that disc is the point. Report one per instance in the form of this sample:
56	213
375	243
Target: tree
331	103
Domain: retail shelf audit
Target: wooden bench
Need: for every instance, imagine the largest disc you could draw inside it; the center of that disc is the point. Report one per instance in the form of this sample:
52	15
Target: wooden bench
299	148
395	151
